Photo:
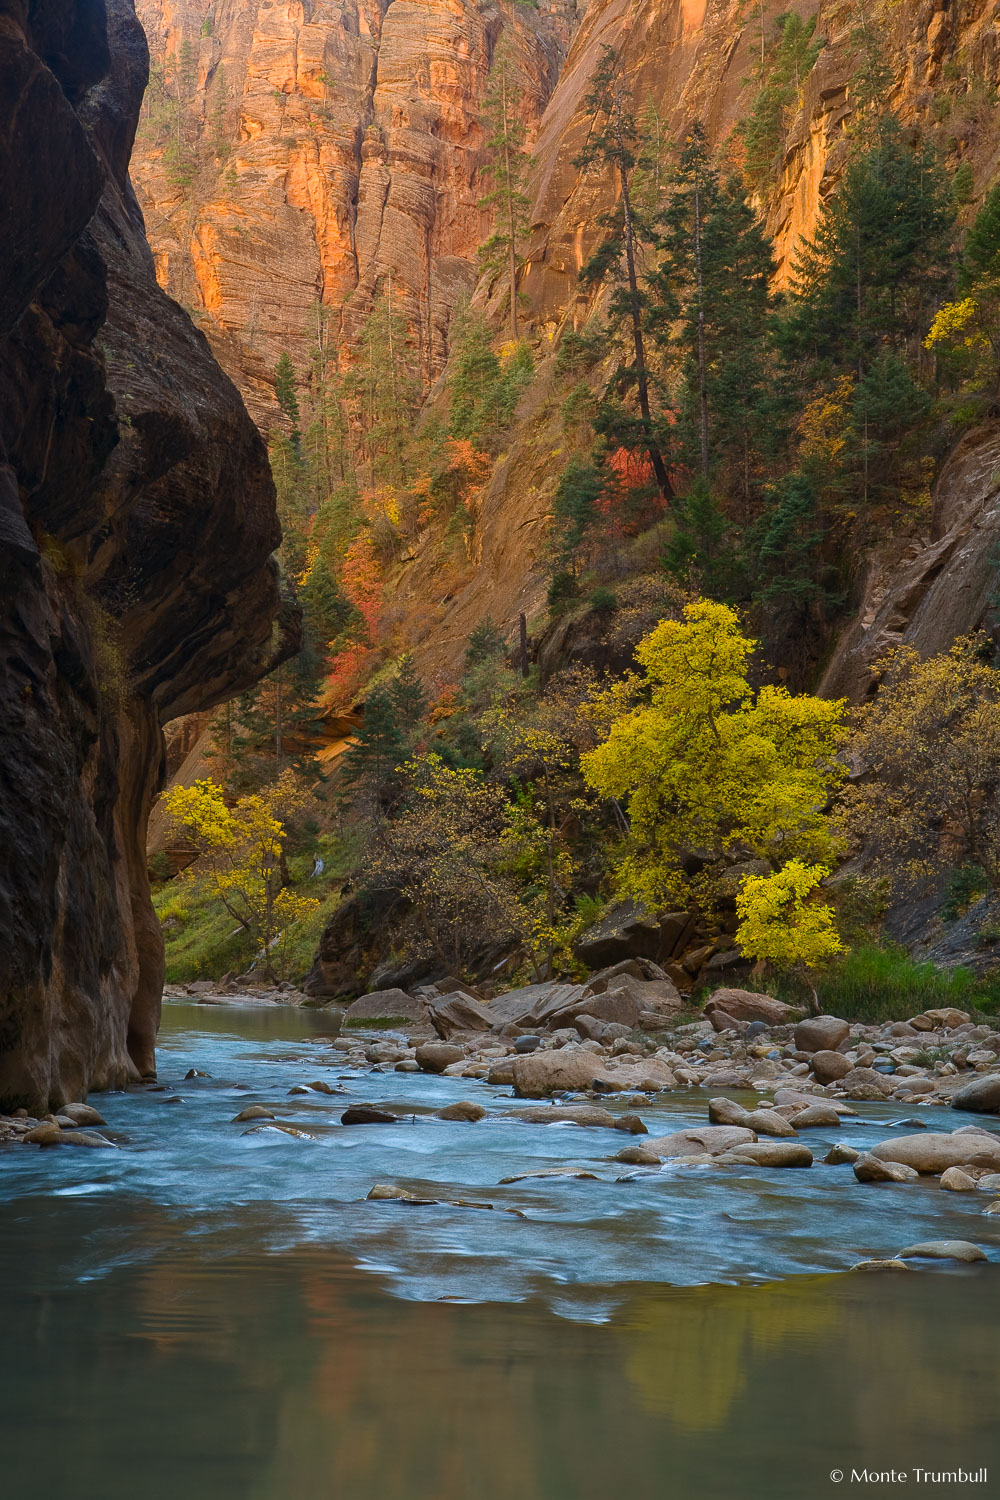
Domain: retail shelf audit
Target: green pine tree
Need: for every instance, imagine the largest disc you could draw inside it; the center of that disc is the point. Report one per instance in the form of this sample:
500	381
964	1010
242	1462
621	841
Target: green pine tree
613	144
507	167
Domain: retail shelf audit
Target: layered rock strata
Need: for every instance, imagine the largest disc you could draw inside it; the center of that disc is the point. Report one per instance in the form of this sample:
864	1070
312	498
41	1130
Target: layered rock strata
137	523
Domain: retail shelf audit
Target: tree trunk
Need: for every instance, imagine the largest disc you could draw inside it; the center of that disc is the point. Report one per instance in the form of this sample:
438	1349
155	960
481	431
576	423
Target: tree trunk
641	378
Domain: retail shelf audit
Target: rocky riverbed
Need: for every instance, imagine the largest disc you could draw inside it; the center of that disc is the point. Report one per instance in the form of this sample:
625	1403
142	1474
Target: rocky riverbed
686	1138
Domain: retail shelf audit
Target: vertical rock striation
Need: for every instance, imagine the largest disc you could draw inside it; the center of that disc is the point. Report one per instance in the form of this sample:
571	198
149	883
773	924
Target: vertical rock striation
329	148
137	524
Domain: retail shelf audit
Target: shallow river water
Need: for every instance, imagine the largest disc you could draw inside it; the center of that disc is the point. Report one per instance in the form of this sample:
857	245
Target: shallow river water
210	1313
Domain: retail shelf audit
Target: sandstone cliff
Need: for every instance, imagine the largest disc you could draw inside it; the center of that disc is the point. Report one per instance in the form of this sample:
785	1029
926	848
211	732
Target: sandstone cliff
322	152
136	526
343	144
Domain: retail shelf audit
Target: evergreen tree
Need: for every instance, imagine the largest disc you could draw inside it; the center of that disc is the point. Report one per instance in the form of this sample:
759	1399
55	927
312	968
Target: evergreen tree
408	696
781	79
507	168
612	145
710	312
880	255
285	381
574	510
370	768
384	390
981	251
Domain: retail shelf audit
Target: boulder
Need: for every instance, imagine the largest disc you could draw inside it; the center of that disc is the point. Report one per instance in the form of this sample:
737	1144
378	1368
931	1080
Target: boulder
434	1057
637	1156
792	1101
769	1154
459	1012
769	1122
644	1074
548	1072
253	1112
943	1250
631	1124
821	1034
936	1151
567	1114
628	930
82	1114
660	995
865	1083
829	1067
982	1095
841	1155
816	1116
367	1114
387	1192
724	1111
533	1004
46	1134
590	1028
501	1075
954	1180
947	1018
869	1168
385	1005
526	1044
463	1109
712	1139
746	1005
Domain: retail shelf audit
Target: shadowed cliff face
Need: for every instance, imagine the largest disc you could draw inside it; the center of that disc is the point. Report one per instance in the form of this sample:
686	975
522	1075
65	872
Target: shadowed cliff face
351	138
136	526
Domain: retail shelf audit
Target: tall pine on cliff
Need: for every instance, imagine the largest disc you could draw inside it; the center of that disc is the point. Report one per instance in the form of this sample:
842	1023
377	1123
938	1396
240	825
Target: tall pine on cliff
708	312
612	145
867	280
507	165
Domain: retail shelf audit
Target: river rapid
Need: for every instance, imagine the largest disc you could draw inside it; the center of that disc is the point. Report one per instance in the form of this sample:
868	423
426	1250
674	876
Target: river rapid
217	1310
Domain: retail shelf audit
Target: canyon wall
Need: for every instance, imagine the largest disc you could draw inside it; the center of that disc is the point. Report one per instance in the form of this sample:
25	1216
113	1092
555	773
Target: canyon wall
324	152
694	59
137	523
348	154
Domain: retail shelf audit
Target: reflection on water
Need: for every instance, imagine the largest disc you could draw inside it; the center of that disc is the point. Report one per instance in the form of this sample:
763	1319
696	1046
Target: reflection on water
186	1318
216	1375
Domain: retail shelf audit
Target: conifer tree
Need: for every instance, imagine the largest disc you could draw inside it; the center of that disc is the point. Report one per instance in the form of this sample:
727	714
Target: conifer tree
285	394
384	389
880	254
612	146
709	311
507	168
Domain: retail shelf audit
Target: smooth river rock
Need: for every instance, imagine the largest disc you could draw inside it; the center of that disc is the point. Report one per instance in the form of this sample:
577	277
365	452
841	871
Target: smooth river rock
936	1151
962	1250
868	1168
982	1095
709	1138
463	1109
768	1154
821	1034
565	1068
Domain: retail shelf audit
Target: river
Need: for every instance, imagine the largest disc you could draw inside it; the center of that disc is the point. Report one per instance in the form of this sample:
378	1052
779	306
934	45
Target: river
208	1313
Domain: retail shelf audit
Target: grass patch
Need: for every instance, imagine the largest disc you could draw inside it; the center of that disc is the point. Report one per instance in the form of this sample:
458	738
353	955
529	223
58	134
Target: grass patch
202	940
883	983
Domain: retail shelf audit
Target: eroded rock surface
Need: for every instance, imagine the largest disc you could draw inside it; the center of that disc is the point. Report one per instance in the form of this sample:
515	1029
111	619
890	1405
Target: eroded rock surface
136	526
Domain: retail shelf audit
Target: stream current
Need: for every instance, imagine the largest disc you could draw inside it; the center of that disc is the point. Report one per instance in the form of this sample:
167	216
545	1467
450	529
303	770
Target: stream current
216	1310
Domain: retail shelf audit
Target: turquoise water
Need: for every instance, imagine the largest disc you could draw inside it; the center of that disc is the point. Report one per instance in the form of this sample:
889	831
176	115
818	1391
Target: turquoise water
209	1313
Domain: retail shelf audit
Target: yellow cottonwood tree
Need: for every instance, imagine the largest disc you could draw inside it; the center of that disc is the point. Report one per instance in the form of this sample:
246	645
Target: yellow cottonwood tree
708	764
240	851
782	920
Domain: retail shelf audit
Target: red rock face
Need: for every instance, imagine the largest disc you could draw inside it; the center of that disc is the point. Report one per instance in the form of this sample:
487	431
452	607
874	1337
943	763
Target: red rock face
136	526
354	165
